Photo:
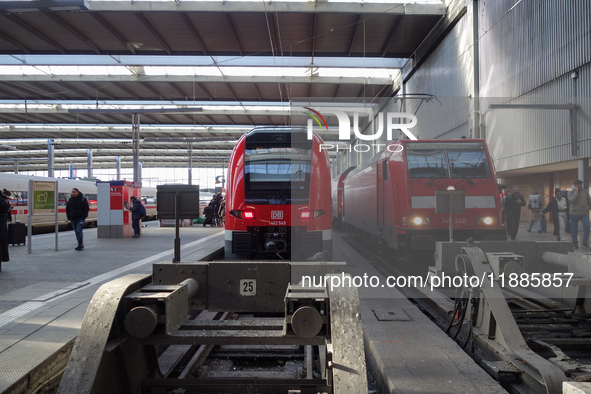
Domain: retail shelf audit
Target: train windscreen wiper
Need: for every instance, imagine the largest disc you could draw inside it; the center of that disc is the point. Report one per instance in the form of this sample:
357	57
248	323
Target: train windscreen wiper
286	184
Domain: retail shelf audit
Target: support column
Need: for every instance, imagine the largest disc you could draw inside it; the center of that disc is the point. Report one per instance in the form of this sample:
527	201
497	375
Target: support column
139	170
556	178
118	167
190	164
584	172
474	104
50	157
89	163
71	168
16	166
135	135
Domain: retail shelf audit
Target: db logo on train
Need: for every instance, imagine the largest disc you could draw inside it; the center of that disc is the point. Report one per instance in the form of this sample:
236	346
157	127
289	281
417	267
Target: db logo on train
276	214
345	129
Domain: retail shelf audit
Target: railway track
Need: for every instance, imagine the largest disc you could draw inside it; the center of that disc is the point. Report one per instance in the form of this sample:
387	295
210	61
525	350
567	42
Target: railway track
556	337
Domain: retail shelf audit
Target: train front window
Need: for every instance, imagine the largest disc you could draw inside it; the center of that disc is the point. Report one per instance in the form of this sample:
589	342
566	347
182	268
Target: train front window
436	160
465	163
426	163
277	174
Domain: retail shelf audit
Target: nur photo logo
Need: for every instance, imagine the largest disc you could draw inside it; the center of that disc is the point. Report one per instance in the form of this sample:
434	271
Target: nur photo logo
389	121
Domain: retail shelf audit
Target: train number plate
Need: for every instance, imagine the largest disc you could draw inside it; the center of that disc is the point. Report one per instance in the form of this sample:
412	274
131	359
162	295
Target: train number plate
248	287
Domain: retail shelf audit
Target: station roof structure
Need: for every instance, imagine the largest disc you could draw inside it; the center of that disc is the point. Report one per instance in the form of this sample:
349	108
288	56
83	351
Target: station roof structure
238	64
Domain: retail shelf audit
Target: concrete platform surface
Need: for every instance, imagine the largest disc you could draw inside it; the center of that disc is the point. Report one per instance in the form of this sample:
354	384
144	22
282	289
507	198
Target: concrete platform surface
405	350
576	388
44	295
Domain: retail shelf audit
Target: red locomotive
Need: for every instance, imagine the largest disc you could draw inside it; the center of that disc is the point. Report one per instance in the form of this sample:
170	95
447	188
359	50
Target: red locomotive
337	196
278	200
392	198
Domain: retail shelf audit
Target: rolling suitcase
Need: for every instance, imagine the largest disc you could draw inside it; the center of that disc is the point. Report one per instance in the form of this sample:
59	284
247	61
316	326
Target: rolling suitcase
544	225
17	233
207	216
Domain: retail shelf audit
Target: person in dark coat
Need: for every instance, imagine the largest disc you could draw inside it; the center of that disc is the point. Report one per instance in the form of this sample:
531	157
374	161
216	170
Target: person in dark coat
4	212
136	215
559	207
76	212
513	204
8	194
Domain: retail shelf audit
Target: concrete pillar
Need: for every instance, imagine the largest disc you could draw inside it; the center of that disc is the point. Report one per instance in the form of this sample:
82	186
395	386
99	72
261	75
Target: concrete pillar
474	100
89	163
190	161
584	172
16	166
135	131
118	167
556	181
50	157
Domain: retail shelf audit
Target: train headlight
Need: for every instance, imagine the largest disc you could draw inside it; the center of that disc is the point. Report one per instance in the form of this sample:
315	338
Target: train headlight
247	214
484	220
426	221
313	214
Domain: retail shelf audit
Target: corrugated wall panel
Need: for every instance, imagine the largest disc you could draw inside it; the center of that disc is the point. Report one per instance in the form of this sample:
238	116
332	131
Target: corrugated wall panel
526	56
447	73
521	138
532	45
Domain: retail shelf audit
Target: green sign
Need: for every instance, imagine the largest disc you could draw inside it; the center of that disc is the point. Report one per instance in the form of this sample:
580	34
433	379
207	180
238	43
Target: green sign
43	198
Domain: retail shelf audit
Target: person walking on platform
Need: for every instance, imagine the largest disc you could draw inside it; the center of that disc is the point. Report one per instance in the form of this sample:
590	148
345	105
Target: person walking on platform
535	205
580	203
559	207
136	215
76	212
4	212
513	204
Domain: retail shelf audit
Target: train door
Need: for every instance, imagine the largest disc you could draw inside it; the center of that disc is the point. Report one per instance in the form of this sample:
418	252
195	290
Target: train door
382	174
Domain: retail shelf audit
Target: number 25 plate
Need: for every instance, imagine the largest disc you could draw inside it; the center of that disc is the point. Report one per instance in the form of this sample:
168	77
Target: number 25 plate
248	287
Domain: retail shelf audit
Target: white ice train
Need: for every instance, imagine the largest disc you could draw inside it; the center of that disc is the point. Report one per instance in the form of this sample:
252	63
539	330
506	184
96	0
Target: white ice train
19	185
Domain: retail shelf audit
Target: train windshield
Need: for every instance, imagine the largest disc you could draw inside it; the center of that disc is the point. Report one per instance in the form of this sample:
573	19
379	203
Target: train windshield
426	164
435	160
276	172
468	163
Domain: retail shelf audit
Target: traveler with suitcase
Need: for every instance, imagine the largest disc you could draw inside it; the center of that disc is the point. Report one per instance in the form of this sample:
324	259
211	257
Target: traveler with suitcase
4	212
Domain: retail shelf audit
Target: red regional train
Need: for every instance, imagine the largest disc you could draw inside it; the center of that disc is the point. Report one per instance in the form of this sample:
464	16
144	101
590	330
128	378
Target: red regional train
278	200
392	198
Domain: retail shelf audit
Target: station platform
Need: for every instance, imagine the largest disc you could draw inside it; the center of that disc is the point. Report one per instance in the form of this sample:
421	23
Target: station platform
44	296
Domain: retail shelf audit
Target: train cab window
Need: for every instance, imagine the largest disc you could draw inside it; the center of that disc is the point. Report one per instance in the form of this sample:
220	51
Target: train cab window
91	198
277	167
426	163
464	163
276	174
149	200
